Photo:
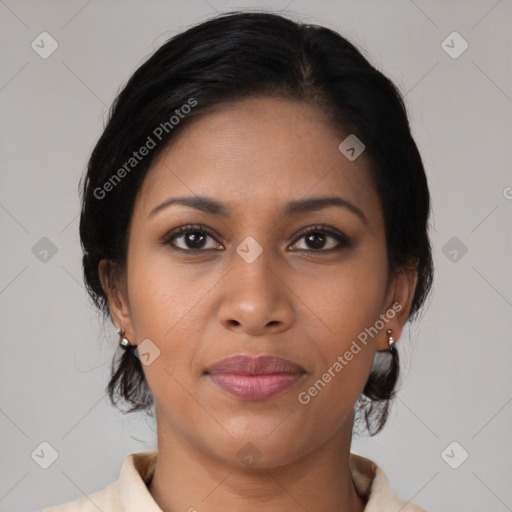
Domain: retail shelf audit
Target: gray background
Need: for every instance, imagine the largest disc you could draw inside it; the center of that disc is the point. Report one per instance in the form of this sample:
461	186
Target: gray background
55	354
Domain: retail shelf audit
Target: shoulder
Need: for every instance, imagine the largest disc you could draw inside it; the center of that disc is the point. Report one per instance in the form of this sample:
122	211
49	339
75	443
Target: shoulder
128	493
372	484
106	499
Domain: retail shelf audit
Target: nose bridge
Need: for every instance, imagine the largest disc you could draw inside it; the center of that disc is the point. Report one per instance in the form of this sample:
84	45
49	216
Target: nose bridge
254	269
255	296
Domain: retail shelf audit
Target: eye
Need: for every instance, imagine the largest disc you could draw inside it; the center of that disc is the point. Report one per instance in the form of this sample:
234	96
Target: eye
317	238
193	238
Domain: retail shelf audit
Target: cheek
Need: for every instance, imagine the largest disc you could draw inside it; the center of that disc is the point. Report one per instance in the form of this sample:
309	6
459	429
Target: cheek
344	298
343	360
165	296
167	306
346	301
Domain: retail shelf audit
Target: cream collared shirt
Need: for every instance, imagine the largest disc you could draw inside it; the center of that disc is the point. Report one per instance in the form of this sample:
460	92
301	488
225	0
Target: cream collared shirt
130	492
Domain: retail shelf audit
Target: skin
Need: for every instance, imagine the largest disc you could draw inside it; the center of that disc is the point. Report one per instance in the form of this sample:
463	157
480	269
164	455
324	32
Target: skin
294	301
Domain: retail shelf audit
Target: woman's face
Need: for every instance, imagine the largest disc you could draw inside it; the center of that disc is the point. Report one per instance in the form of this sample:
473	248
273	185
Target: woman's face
269	278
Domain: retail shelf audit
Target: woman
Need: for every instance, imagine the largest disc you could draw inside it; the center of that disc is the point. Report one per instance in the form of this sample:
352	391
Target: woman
254	223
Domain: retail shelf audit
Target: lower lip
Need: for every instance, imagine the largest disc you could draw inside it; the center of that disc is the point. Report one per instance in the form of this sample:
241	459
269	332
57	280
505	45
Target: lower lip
255	387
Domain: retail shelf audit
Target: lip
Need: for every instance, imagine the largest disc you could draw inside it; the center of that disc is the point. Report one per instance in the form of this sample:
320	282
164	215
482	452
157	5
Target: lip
255	378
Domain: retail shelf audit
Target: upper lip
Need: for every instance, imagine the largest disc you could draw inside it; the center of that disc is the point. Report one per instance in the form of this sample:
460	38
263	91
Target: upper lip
251	365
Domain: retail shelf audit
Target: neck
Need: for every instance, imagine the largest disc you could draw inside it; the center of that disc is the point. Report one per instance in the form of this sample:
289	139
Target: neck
187	478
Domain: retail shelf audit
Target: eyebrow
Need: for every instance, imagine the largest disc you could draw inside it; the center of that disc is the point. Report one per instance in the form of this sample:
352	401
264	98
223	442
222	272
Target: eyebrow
295	207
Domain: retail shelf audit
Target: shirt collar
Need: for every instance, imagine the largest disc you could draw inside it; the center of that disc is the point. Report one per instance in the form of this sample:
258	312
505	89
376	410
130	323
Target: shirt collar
136	473
369	480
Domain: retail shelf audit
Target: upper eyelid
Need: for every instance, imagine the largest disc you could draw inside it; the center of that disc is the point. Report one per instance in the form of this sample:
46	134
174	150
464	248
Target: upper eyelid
320	227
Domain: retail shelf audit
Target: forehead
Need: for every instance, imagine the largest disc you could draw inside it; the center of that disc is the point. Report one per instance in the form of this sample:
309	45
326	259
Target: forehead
256	154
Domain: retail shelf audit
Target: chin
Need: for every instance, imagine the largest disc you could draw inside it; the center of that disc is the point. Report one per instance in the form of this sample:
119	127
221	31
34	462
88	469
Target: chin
259	450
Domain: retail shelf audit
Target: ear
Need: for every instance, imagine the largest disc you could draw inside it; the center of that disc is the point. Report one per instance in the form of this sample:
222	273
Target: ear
397	304
116	292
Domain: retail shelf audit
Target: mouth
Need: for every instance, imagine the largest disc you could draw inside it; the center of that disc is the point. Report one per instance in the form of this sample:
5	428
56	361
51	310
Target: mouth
255	378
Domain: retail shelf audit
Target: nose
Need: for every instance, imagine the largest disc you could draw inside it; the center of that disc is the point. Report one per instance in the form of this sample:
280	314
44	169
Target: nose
256	299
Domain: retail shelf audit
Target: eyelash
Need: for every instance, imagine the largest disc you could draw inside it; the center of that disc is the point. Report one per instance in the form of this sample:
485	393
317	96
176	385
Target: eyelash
343	241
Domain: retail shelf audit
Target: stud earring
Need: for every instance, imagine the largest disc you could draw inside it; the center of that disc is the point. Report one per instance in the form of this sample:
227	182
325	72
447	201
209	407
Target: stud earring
391	340
123	342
